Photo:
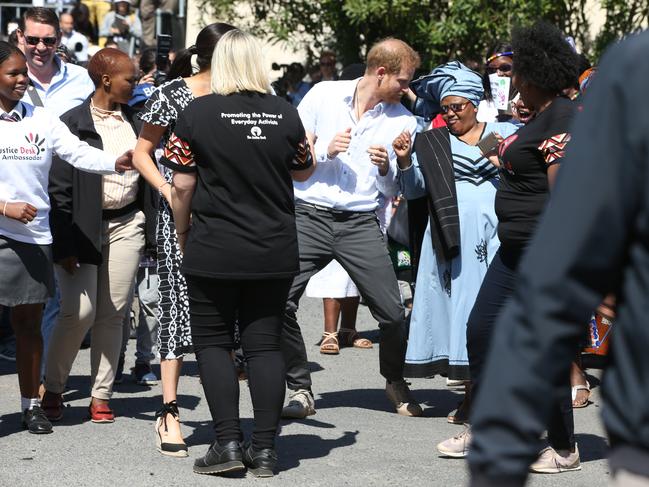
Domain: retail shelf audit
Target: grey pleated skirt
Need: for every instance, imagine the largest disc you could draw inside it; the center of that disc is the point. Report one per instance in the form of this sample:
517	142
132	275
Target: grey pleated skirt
26	272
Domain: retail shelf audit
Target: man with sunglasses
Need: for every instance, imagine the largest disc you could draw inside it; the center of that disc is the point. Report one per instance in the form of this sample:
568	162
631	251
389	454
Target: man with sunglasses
57	86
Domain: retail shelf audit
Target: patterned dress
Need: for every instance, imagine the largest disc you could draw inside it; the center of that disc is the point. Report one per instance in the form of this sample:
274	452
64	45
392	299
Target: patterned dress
174	334
446	290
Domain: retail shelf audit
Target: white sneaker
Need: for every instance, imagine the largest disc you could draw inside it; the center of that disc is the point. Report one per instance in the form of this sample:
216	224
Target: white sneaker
458	446
300	405
552	461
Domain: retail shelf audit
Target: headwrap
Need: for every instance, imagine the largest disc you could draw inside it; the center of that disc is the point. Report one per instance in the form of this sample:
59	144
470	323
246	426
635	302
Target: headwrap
450	79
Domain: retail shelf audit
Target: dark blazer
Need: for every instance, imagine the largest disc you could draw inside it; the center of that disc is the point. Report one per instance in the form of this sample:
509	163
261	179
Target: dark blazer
76	196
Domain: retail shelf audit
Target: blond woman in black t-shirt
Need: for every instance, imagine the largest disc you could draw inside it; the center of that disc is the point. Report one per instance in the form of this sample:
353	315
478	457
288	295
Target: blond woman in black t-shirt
234	155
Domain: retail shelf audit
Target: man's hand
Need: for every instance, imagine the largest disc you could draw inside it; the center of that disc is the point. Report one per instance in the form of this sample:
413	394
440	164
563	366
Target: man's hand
21	211
340	143
402	146
380	158
69	264
124	162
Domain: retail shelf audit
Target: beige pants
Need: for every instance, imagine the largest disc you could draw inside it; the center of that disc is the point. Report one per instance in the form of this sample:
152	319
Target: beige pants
624	478
96	297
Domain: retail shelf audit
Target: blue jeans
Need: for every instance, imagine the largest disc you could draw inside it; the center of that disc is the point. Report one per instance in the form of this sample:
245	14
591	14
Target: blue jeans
147	321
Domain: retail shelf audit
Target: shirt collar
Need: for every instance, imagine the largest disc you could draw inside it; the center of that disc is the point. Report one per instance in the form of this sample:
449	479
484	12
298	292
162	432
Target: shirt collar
106	114
18	111
350	92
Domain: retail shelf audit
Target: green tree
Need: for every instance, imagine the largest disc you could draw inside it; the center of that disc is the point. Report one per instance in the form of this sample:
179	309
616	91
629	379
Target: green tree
438	30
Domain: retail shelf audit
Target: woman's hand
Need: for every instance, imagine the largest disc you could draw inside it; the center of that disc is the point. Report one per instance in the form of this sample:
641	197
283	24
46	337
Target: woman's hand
147	78
402	147
492	156
124	162
608	307
19	210
380	158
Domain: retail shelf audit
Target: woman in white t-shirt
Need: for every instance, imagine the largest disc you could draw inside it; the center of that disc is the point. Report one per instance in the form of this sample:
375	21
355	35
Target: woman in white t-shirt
30	136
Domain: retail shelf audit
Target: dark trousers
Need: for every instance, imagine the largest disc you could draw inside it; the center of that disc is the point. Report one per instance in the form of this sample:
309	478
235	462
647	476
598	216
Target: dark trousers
355	240
497	286
258	305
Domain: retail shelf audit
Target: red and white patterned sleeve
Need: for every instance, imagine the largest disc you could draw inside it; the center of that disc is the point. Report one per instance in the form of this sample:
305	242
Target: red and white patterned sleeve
554	148
177	155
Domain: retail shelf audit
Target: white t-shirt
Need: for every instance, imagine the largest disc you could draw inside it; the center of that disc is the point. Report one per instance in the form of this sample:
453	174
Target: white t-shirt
26	149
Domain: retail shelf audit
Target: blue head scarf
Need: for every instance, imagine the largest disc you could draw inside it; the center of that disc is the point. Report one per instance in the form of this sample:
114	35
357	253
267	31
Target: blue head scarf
450	79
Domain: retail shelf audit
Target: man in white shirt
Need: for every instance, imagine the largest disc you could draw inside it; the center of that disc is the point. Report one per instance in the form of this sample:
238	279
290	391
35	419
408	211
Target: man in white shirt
351	125
76	42
57	86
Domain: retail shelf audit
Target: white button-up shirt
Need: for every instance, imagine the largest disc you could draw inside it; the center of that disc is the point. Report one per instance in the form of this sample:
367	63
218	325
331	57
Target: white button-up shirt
349	181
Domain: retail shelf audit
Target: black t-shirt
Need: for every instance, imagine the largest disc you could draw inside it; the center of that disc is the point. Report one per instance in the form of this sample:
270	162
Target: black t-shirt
242	146
526	155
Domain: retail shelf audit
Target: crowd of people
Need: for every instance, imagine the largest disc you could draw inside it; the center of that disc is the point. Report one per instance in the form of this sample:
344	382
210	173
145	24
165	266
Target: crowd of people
114	183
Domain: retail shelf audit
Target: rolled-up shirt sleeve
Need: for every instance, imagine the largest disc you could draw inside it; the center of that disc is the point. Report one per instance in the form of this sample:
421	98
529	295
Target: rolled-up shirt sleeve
412	181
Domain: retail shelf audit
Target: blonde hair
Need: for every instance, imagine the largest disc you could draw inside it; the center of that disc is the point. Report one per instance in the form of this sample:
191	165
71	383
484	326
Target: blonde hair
237	65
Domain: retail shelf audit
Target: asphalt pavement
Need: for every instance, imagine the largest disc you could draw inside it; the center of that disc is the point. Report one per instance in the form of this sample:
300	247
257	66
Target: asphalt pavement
354	439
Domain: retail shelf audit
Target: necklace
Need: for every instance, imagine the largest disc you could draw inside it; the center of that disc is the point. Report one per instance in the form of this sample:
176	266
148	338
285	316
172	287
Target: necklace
357	108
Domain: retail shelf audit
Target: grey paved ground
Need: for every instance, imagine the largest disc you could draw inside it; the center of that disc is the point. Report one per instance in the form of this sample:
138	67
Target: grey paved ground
354	439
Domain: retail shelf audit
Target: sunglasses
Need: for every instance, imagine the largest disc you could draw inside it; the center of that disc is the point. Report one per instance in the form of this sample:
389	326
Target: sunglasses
503	68
33	41
455	107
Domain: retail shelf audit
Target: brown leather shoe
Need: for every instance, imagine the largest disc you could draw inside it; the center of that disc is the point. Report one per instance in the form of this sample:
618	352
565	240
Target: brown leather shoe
52	404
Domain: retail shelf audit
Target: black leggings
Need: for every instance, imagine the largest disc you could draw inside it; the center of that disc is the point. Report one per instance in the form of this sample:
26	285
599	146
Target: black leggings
258	305
497	286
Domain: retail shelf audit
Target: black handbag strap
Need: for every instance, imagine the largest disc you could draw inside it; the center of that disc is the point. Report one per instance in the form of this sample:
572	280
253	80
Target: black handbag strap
33	95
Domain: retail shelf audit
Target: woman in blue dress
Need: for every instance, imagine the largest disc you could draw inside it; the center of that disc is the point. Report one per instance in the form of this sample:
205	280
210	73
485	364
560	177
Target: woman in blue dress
460	184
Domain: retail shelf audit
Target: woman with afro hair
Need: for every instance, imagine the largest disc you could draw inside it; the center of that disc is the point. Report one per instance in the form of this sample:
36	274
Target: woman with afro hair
543	65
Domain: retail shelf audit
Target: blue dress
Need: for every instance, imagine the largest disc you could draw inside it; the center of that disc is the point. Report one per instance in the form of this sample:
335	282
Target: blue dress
446	290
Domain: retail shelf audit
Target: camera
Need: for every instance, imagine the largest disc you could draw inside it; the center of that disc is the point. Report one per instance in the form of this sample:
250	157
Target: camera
162	59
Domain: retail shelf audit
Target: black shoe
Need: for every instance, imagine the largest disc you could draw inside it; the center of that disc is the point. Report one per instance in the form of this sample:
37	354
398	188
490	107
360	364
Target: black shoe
221	459
260	463
36	422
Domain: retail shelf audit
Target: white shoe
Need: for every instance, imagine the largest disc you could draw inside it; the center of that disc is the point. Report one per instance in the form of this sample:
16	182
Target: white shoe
552	461
458	446
300	405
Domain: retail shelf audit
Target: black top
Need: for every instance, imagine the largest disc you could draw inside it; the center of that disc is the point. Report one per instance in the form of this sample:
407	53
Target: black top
242	146
593	240
526	155
166	104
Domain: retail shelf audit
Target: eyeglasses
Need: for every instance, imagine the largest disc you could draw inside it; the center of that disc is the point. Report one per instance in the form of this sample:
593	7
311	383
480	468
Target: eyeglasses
33	41
503	68
455	107
327	63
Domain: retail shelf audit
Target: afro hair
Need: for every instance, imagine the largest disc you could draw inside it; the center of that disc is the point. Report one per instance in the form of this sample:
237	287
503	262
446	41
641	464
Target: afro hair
543	58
